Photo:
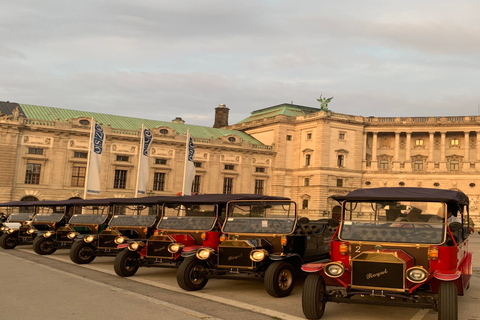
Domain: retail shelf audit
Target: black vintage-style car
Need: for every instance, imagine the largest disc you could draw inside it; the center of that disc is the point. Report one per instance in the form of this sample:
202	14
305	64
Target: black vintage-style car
36	216
395	247
89	216
134	219
187	223
263	239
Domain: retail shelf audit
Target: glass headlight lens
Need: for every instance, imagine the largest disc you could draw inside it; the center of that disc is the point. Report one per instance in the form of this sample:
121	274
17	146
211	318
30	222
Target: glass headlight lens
30	231
10	231
71	235
417	274
204	254
89	238
47	234
258	255
175	247
334	269
134	246
119	240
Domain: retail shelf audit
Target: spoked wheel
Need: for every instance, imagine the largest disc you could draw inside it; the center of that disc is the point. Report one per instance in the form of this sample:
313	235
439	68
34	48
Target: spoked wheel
82	252
191	274
8	241
447	301
313	296
43	246
279	279
126	263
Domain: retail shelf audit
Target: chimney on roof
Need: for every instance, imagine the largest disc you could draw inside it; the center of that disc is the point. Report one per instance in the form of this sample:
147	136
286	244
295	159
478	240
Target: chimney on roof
221	116
178	120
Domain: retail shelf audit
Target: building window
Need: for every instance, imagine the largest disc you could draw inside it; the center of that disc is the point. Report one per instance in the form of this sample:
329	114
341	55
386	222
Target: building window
305	204
419	142
340	160
383	165
163	131
232	139
472	165
32	174
289	137
418	165
78	176
306	182
260	169
341	136
84	122
309	136
307	159
259	185
120	181
227	185
81	155
160	161
454	165
35	151
339	182
402	165
229	167
436	165
122	158
159	181
196	184
197	164
454	142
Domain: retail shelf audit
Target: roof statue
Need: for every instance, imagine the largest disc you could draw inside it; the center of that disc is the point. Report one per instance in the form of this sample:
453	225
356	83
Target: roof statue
324	103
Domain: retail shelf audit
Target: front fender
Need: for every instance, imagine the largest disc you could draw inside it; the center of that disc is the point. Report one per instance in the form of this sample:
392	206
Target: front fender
313	266
190	251
447	276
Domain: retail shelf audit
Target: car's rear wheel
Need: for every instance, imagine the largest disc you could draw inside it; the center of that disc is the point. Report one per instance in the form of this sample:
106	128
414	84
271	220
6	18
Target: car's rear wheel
8	241
279	279
191	274
126	263
82	252
447	301
313	297
43	246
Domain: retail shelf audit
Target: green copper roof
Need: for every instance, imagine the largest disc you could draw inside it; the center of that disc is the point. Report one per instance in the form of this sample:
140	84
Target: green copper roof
285	109
129	123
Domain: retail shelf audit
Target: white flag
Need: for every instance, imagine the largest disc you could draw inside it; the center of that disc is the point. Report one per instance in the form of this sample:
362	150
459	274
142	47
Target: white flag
189	173
97	138
143	166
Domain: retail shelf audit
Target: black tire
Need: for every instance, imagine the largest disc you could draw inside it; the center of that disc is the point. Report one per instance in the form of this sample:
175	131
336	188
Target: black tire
82	252
279	279
447	301
191	274
313	297
126	263
8	241
43	246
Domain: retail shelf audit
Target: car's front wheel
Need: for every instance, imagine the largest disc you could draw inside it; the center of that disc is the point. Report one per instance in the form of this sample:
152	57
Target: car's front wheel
126	263
82	252
447	301
191	274
313	297
43	246
279	279
8	241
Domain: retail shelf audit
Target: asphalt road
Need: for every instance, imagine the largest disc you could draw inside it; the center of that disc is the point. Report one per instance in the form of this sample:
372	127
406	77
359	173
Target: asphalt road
34	286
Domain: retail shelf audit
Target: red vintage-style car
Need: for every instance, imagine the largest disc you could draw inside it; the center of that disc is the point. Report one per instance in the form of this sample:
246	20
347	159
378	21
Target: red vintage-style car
398	247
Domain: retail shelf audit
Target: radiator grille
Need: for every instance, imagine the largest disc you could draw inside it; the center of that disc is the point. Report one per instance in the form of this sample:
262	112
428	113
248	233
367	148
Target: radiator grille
235	257
374	274
158	249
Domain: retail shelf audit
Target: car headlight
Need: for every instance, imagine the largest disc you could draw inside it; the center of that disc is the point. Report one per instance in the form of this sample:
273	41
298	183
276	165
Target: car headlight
119	240
3	228
134	246
417	274
10	231
71	235
47	234
31	231
258	255
204	253
334	269
175	247
89	238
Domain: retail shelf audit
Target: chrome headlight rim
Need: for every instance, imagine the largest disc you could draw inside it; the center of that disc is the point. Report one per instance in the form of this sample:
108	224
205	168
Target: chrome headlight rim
48	234
258	255
334	269
419	270
89	239
135	245
10	231
72	235
175	247
30	231
120	239
204	253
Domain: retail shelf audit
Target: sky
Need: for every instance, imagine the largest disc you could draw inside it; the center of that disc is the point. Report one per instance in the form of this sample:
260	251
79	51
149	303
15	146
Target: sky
158	59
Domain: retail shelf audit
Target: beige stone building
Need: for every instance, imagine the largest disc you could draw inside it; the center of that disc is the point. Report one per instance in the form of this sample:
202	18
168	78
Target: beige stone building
301	152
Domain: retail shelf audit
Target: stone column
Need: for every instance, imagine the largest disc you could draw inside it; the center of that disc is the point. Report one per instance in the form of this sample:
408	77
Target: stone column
467	146
397	146
442	146
374	151
408	144
478	147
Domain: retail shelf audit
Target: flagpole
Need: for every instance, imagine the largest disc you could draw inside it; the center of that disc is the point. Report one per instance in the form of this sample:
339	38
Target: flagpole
140	151
92	125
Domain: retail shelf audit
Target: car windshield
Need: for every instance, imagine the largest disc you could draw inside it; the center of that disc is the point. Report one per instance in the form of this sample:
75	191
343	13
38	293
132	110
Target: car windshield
266	217
200	217
20	216
399	221
133	221
88	219
49	214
